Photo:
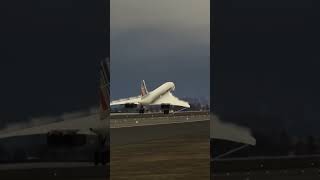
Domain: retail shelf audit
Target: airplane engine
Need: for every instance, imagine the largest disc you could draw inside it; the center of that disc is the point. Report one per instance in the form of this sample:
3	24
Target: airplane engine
130	105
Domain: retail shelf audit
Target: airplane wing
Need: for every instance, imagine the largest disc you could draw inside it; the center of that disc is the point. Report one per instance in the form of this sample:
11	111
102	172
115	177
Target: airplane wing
230	132
90	124
130	100
168	98
78	125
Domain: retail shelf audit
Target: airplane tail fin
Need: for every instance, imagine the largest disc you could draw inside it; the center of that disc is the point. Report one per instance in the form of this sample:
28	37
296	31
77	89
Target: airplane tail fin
144	90
104	90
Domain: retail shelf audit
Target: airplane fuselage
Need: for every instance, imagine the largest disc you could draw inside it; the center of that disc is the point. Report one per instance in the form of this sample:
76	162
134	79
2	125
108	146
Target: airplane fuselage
161	96
155	94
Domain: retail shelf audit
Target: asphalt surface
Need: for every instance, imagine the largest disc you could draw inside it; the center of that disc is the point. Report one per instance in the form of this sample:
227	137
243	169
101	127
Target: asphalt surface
135	130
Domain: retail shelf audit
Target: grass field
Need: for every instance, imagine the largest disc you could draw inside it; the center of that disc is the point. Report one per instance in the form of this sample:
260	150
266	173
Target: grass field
179	157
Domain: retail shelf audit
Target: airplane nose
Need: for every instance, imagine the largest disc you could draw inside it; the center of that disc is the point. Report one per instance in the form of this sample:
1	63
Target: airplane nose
171	84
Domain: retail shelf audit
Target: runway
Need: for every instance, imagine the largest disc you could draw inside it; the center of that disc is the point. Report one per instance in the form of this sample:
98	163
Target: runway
283	174
157	146
132	120
157	114
131	129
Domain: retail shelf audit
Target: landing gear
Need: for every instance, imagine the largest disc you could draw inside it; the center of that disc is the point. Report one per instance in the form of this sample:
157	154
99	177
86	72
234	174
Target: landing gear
165	108
166	111
141	110
101	154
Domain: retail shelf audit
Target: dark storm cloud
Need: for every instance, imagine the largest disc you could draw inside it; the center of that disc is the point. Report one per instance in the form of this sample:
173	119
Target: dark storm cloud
158	42
266	62
49	56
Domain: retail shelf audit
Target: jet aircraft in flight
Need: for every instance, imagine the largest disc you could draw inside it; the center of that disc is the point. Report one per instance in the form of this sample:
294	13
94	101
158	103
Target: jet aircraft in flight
160	96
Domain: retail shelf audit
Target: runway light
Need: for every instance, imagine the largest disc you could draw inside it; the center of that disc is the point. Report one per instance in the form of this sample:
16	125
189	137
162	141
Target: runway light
137	122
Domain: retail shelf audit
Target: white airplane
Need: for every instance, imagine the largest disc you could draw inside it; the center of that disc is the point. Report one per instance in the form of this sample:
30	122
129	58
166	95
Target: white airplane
91	125
160	96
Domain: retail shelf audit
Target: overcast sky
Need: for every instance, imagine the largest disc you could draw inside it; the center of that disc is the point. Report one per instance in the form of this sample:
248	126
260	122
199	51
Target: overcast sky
160	41
51	52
